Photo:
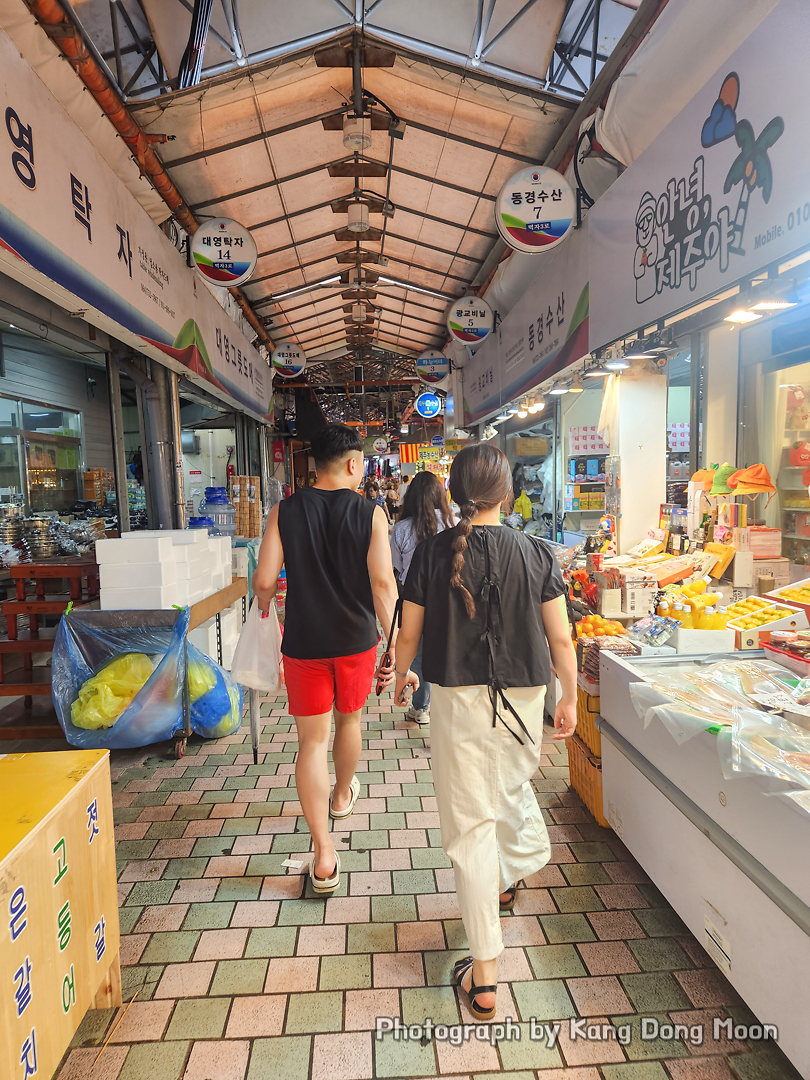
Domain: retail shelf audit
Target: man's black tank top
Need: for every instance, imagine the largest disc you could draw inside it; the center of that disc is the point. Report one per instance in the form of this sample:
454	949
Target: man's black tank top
330	608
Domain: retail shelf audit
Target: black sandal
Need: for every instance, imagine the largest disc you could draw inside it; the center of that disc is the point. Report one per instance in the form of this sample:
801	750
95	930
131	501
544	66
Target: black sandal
511	892
460	969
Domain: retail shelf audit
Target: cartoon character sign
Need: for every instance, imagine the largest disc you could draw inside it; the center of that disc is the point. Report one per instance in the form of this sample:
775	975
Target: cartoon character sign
649	248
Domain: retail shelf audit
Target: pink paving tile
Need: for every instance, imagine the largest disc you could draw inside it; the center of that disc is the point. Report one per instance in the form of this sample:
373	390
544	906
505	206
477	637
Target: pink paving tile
132	945
145	1021
698	1068
224	1060
226	866
407	838
255	913
695	951
157	813
626	873
295	974
264	783
208	783
348	909
474	1055
370	883
250	795
162	917
195	891
704	1019
135	831
445	879
228	810
438	906
561	853
204	827
342	1056
615	925
283	888
184	798
382	791
420	936
144	869
422	820
398	969
584	1051
522	930
568	815
504	1006
221	945
253	845
256	1017
621	897
608	958
564	834
600	995
534	902
139	786
430	803
174	849
81	1064
585	1072
185	980
400	777
370	806
356	823
549	877
514	967
123	890
370	755
321	940
390	859
707	988
291	808
277	825
230	770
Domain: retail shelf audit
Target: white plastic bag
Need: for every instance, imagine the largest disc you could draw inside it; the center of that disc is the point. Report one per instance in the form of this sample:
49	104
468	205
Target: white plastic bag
257	657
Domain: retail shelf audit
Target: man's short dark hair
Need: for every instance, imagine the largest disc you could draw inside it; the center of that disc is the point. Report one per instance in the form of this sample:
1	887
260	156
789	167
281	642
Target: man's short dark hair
333	443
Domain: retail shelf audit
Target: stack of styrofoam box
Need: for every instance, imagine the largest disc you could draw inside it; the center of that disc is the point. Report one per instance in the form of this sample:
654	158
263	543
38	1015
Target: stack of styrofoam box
204	637
240	561
221	565
158	569
586	440
678	438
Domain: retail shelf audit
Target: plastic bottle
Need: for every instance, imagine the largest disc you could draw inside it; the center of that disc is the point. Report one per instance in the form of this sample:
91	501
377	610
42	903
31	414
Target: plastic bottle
663	608
700	585
721	618
706	619
680	614
221	510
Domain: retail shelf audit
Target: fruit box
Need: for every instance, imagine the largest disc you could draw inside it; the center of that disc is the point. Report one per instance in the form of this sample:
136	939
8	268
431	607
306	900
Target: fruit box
794	618
777	594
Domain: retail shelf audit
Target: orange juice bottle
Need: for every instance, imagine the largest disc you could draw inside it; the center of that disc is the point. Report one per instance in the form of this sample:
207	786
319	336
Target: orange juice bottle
707	618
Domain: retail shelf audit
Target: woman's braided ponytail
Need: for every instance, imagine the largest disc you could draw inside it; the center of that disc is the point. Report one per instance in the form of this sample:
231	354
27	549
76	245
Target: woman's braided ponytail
463	530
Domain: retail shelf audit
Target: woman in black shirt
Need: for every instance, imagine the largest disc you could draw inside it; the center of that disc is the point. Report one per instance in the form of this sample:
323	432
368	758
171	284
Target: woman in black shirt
490	603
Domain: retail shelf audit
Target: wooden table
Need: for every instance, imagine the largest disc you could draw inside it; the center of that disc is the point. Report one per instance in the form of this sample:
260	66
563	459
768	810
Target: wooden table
59	936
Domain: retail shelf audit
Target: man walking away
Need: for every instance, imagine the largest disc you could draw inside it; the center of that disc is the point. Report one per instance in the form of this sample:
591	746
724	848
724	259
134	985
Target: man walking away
334	545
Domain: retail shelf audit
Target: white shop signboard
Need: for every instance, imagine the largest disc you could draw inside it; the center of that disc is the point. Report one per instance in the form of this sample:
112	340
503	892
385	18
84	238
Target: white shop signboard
721	193
544	333
66	218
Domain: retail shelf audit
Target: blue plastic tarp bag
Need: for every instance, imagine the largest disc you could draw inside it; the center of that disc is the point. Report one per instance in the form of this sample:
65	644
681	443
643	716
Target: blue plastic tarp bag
215	699
86	641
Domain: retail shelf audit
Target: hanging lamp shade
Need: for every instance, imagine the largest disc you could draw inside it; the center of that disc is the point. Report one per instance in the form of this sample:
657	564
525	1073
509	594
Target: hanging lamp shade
358	217
356	133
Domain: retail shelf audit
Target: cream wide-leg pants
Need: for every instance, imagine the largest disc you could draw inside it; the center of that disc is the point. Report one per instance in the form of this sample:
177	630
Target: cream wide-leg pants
492	829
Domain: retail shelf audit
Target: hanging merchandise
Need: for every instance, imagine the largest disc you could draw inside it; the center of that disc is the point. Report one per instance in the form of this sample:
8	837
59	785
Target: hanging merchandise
432	366
535	210
224	252
470	320
428	405
289	359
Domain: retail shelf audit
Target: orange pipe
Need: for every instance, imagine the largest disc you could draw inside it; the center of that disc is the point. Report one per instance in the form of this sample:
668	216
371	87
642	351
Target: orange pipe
50	16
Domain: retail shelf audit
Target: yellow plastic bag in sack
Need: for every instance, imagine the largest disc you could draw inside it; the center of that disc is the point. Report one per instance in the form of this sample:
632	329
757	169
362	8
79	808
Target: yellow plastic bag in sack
523	506
106	694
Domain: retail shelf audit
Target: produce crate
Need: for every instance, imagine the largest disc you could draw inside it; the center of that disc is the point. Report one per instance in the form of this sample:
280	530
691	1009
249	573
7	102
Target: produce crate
587	711
586	777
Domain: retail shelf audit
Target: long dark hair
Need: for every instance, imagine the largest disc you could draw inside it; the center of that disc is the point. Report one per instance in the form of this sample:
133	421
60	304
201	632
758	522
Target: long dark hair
480	479
371	486
425	495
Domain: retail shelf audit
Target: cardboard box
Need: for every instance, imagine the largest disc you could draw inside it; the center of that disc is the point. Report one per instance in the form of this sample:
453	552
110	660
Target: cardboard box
637	601
609	602
742	570
702	641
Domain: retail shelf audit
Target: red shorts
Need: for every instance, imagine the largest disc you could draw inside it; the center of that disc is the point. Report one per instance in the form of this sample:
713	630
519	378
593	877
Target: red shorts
314	686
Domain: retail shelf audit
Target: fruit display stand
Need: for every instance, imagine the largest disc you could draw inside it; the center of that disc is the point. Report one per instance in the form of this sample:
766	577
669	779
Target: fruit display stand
797	594
59	936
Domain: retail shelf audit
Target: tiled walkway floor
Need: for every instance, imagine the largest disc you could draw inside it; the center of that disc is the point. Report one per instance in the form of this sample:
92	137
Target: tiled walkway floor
240	973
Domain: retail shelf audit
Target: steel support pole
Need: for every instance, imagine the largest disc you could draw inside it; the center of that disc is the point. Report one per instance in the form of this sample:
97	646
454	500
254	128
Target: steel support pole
119	454
177	452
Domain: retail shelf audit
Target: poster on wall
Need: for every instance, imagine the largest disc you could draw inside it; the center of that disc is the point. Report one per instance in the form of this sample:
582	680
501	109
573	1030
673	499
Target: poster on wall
721	193
544	333
70	230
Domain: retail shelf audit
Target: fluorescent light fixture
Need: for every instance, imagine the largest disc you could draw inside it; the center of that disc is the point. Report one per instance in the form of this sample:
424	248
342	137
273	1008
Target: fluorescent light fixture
414	288
559	390
304	288
618	363
499	419
512	410
597	373
576	386
773	305
639	356
742	315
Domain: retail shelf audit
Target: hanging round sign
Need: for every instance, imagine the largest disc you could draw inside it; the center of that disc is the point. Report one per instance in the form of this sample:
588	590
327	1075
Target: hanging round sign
289	359
380	445
224	252
535	210
428	405
432	366
470	320
437	440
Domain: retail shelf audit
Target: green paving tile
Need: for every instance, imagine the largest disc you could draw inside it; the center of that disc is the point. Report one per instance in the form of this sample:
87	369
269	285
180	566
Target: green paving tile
455	934
373	937
127	917
237	826
287	842
439	966
208	916
654	897
314	1012
144	979
415	790
150	798
544	1000
393	908
528	1053
185	868
301	912
200	771
280	1059
263	809
239	888
659	954
266	865
239	783
386	821
93	1028
655	992
283	757
589	830
403	804
351	972
434	837
566	928
577	898
166	830
766	1064
217	797
271	941
125	815
661	922
437	1002
638	1049
207	846
176	784
367	839
635	1070
414	881
198	1018
587	873
555	962
134	849
424	858
403	1059
192	812
239	977
150	1060
351	861
170	947
592	852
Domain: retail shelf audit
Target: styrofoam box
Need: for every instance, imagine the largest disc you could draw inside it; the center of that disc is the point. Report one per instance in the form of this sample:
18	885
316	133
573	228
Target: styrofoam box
178	536
141	549
204	638
137	575
218	580
702	641
157	597
240	562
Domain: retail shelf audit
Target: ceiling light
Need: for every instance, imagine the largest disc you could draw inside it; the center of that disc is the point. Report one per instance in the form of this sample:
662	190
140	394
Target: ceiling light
355	135
304	288
415	288
639	356
358	217
512	410
773	305
523	410
536	404
559	390
575	386
598	372
618	363
742	315
501	417
358	313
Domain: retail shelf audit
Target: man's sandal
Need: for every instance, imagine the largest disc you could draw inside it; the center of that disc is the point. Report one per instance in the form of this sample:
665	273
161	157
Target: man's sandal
460	969
511	892
324	886
354	789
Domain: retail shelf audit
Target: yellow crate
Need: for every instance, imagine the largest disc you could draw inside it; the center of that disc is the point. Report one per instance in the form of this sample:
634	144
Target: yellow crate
587	712
586	777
